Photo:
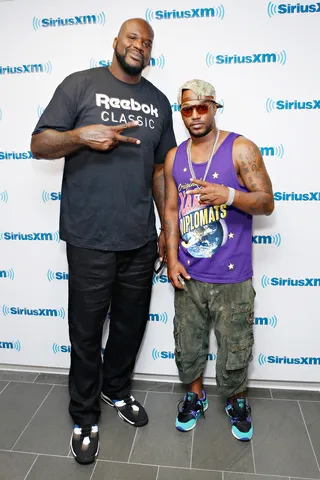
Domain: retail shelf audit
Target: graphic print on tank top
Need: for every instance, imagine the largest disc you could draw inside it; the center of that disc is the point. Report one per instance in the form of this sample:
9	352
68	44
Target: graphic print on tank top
203	228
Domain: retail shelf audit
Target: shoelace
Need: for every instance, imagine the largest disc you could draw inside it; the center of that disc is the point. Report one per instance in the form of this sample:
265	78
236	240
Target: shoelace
86	431
190	405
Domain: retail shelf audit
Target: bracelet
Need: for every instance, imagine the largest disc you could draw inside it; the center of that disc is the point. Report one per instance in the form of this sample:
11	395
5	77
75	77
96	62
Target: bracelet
232	193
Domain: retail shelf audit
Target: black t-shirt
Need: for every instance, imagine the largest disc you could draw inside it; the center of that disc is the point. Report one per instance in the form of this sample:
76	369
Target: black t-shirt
106	198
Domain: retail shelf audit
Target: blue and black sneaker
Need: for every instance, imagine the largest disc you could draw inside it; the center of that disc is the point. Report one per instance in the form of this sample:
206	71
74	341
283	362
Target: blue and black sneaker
190	410
239	414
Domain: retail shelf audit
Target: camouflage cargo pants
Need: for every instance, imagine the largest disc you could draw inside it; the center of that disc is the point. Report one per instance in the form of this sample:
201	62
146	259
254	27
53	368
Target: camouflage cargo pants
229	308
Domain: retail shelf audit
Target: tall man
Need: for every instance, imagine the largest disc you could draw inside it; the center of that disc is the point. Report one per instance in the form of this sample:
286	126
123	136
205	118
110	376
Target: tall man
107	219
215	182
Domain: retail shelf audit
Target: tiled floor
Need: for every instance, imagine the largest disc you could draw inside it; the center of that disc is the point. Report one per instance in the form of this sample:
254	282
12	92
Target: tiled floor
35	431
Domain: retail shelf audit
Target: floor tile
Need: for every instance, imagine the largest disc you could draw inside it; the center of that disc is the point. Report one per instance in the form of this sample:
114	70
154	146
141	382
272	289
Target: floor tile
311	414
181	388
123	471
214	447
18	376
52	379
151	386
116	436
296	394
50	430
15	466
249	476
183	474
159	443
18	403
281	444
58	468
258	392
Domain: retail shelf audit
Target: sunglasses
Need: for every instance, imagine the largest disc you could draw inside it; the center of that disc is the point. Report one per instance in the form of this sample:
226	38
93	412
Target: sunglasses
201	108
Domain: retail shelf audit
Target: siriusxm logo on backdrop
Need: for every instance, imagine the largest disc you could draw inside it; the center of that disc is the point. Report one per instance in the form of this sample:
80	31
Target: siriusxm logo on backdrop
289	282
36	312
4	196
153	62
272	151
75	21
289	8
50	196
167	355
8	274
13	345
292	105
40	111
213	12
158	317
224	59
56	275
40	236
64	349
26	68
163	278
296	197
263	359
266	321
26	155
267	239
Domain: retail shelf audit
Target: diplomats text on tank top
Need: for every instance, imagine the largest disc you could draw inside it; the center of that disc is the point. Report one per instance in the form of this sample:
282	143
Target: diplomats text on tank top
216	241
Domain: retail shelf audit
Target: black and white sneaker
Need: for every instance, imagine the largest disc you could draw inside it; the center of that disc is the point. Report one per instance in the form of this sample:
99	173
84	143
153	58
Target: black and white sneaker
129	409
84	443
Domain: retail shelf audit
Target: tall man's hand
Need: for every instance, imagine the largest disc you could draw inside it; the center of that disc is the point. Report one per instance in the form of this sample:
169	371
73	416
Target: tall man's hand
102	137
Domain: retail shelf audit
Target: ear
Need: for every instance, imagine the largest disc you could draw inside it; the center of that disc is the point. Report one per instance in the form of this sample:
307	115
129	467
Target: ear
115	43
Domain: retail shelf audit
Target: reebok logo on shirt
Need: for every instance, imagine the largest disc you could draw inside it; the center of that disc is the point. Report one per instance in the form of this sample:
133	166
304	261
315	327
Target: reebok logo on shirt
125	104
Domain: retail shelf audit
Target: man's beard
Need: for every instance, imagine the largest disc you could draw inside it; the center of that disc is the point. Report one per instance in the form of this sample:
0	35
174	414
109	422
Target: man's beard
129	69
204	133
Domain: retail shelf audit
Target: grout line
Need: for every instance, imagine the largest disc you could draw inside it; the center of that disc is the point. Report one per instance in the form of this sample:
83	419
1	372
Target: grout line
204	469
136	433
5	387
191	453
222	475
35	413
253	459
31	467
158	473
172	387
36	378
95	466
271	393
314	453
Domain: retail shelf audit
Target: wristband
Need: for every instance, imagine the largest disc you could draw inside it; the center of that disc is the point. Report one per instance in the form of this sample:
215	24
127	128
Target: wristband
232	193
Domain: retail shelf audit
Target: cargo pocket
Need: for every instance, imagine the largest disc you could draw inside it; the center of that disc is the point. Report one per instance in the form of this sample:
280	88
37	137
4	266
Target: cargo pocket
239	351
177	351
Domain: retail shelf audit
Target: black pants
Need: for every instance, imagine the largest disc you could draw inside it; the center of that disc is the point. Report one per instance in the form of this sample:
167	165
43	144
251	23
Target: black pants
97	278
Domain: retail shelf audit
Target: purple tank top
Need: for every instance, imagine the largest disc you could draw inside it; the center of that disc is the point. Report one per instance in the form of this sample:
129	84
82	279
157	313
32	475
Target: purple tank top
216	241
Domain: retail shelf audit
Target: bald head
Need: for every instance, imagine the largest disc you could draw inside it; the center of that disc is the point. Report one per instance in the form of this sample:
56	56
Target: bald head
133	45
133	22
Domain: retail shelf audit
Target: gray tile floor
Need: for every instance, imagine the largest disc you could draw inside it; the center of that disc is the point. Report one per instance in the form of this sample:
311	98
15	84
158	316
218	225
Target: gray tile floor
35	432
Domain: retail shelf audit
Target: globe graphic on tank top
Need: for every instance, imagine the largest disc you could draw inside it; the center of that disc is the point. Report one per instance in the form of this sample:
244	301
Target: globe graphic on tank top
204	241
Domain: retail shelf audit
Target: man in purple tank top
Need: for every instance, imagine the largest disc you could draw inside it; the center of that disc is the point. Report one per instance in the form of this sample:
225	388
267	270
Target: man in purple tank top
215	182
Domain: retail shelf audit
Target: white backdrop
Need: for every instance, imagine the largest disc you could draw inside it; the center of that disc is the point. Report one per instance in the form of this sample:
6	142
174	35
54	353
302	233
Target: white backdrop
268	82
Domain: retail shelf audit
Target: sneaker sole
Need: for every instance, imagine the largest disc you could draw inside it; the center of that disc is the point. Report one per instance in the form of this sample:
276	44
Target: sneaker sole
87	461
109	402
195	423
